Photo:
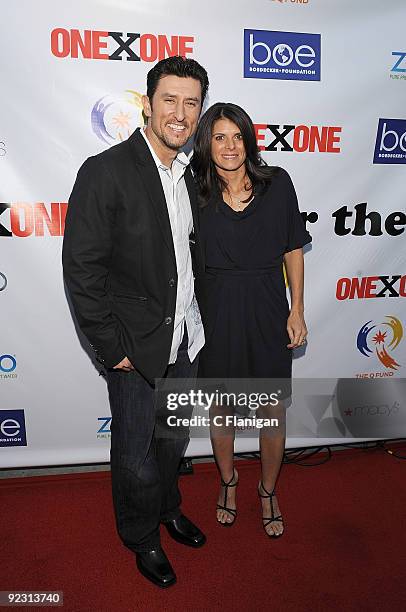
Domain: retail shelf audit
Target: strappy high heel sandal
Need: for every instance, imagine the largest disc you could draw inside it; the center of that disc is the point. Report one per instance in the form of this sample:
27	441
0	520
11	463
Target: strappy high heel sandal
231	511
266	520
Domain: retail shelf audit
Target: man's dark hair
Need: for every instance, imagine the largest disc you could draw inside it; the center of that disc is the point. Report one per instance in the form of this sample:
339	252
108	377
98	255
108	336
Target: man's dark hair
177	66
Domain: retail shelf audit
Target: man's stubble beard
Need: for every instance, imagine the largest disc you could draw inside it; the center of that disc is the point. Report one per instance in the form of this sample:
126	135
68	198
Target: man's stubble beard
175	146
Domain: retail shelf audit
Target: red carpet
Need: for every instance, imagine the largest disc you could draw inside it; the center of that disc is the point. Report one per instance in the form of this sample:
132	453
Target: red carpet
343	549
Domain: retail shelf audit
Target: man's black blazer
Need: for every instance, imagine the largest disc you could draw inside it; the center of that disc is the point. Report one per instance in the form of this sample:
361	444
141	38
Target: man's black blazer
119	260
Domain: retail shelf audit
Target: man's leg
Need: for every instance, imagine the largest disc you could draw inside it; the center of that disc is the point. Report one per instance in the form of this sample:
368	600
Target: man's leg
171	444
171	448
134	470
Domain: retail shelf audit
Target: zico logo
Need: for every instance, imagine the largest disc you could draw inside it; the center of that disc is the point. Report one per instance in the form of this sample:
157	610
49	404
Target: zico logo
24	219
400	65
371	287
299	138
104	430
101	45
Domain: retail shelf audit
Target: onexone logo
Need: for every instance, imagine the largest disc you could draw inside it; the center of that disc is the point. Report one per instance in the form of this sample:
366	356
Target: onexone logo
368	287
23	219
105	45
300	138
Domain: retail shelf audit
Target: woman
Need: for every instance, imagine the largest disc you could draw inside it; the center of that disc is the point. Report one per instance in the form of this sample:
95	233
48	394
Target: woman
250	225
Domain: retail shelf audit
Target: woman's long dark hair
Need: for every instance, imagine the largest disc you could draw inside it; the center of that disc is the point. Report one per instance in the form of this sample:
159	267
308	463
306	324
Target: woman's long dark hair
206	176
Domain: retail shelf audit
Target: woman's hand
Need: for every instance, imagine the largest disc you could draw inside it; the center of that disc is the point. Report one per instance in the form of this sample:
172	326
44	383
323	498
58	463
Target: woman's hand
297	329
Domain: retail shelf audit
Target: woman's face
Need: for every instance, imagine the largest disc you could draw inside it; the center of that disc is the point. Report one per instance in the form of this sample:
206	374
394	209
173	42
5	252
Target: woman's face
227	145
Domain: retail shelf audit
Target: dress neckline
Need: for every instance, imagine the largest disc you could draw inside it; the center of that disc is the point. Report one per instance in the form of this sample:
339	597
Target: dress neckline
239	214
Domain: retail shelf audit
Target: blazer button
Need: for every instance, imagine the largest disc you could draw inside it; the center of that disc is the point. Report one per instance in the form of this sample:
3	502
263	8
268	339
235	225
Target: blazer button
171	282
168	320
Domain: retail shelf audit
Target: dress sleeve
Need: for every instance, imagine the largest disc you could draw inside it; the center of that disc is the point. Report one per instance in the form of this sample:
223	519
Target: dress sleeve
297	233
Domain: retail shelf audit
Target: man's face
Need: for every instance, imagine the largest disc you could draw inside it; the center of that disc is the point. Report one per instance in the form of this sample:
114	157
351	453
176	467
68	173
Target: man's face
174	112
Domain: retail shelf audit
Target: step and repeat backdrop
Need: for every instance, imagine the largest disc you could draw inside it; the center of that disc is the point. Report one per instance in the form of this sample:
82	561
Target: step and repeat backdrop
325	84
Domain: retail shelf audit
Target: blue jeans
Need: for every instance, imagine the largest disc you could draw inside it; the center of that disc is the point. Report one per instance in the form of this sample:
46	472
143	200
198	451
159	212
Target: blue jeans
144	467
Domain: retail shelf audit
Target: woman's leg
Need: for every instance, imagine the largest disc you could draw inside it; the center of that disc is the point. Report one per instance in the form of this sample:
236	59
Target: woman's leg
272	446
222	439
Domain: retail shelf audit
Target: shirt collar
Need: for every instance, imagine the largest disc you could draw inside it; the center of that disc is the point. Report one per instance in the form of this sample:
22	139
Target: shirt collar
181	157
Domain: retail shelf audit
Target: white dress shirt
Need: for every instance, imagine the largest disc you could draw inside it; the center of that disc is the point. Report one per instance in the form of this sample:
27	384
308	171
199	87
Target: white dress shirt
181	221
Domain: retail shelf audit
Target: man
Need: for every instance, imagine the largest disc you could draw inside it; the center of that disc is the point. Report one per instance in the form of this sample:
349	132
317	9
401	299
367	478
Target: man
128	268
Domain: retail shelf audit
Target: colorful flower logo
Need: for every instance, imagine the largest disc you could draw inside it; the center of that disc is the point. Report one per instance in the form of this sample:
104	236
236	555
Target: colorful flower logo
114	118
387	337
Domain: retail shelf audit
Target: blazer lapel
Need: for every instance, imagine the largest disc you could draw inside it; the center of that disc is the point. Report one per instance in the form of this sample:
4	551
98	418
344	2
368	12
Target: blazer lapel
191	187
152	181
190	184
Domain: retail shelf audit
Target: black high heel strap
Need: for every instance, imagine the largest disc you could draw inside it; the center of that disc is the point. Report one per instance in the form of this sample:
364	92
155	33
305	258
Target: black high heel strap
226	486
269	496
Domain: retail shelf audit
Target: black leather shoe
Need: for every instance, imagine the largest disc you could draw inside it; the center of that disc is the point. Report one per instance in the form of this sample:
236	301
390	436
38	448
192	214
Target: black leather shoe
185	532
155	566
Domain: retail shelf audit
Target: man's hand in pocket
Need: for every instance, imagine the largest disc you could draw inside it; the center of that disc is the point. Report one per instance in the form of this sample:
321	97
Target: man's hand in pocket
125	364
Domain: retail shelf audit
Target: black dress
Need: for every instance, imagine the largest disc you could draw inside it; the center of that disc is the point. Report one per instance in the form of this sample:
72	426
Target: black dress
245	308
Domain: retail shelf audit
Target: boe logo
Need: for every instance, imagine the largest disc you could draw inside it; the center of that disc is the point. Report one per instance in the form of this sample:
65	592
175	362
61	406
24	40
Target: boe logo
281	55
12	428
390	146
